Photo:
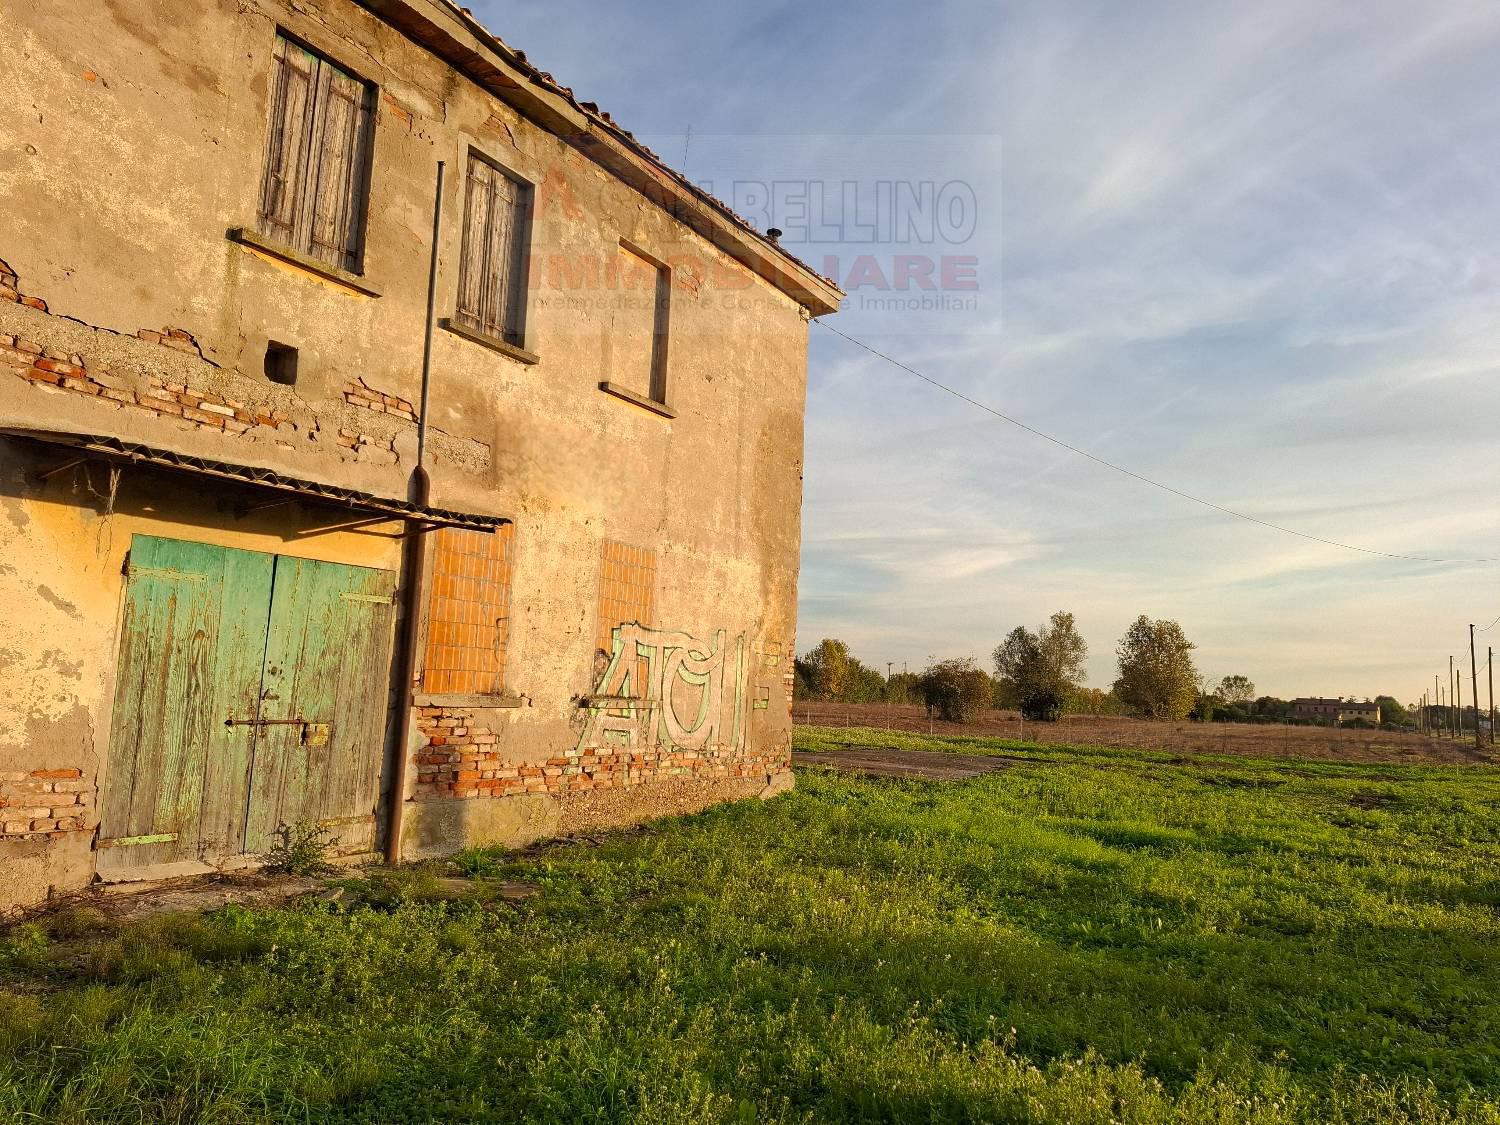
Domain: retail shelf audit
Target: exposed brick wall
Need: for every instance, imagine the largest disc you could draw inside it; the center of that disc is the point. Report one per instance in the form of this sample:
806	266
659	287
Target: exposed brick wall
10	290
359	393
367	448
202	407
207	409
462	759
45	802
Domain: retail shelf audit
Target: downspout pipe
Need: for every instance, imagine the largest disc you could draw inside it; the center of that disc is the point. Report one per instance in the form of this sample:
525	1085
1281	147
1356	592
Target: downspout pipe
413	563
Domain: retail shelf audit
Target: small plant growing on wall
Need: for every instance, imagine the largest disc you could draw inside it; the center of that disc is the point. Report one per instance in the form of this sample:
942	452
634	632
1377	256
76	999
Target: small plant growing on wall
301	849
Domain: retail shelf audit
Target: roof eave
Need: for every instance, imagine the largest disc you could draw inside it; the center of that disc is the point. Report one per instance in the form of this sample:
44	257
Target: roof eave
460	40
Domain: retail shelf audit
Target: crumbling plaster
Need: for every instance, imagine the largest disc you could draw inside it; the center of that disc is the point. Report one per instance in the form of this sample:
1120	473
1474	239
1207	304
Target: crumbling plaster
136	142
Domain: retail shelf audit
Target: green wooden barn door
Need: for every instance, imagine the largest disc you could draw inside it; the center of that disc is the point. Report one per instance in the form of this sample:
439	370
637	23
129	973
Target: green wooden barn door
251	692
192	647
322	736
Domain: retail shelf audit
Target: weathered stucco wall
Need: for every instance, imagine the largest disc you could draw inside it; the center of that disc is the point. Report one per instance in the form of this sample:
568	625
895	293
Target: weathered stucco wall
134	142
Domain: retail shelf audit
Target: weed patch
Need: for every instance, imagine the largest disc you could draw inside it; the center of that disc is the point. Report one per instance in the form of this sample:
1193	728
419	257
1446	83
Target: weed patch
1092	935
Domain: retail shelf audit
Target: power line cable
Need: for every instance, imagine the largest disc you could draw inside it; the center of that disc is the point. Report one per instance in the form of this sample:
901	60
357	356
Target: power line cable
1139	476
1491	625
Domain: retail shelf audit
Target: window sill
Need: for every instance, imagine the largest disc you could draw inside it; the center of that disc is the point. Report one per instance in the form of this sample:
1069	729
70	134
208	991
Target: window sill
463	699
639	400
259	242
485	340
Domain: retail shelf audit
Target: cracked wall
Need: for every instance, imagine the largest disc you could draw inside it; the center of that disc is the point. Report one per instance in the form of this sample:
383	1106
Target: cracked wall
125	310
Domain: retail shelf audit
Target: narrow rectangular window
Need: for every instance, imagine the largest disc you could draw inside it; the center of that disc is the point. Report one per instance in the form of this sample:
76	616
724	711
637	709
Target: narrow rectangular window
314	187
639	325
468	614
491	297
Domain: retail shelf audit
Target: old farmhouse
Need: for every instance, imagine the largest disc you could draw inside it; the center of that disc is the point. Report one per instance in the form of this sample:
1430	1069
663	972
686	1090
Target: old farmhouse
330	497
1334	710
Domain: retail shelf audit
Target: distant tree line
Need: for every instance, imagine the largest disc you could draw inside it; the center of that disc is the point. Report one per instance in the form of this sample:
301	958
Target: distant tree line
1040	673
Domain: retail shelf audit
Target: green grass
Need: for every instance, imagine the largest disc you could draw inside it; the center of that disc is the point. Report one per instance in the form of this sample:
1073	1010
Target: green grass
1094	935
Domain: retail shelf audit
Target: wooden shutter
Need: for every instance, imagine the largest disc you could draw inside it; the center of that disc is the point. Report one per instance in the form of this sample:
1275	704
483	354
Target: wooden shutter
294	74
338	172
317	157
488	286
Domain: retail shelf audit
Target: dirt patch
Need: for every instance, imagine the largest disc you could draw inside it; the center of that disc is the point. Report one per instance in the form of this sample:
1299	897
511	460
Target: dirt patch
926	764
195	894
1375	800
1253	740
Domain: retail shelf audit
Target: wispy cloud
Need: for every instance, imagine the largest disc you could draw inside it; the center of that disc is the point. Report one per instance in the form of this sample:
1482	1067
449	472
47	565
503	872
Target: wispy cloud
1247	249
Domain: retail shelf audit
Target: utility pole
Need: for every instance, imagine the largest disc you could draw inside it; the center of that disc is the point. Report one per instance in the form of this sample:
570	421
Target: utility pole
1435	698
1474	686
1452	698
1490	664
1458	702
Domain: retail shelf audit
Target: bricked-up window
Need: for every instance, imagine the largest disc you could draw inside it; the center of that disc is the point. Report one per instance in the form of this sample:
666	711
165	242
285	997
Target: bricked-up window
638	325
627	591
312	195
491	281
468	614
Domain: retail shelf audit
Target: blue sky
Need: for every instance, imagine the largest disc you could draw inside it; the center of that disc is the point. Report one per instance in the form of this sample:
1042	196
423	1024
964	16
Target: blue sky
1249	250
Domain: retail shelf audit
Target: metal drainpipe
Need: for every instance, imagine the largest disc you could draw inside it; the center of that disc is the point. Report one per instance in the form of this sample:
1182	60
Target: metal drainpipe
414	561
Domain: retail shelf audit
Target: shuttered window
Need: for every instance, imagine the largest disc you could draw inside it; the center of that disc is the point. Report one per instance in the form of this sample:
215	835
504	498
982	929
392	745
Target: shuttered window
312	196
490	289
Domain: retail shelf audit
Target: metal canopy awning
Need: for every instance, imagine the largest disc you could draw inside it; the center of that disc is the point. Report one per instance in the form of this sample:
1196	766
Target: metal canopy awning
119	451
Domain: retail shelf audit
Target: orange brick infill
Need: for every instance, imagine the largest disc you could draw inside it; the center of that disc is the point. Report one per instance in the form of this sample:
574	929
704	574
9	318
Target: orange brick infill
45	803
359	393
462	760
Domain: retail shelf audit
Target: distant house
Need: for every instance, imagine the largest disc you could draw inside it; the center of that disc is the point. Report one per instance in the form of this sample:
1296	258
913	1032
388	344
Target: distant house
1335	710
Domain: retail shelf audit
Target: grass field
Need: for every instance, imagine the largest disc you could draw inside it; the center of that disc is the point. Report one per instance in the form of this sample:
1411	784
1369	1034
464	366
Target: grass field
1095	935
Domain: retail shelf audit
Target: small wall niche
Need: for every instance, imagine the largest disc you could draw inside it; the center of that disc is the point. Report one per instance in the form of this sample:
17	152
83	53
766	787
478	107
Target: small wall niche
281	363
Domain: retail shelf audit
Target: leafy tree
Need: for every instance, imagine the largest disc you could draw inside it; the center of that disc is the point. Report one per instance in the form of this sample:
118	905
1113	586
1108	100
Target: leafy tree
1205	702
829	672
902	688
1269	709
1235	689
1391	711
1157	677
1094	701
1041	671
802	682
829	669
864	685
956	689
